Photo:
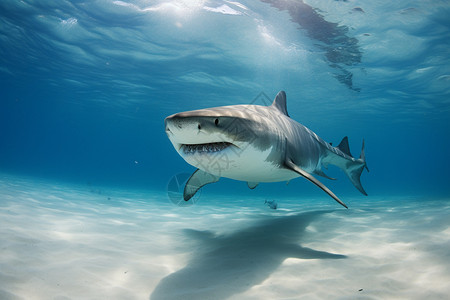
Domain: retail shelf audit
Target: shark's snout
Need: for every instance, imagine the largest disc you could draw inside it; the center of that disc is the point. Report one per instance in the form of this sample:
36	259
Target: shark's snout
181	127
191	134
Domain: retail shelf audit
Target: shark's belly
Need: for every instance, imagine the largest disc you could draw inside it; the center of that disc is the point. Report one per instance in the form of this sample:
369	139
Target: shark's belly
249	164
263	173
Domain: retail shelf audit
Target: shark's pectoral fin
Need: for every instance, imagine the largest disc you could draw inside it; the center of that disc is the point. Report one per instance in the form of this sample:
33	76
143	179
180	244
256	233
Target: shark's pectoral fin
198	179
252	185
290	165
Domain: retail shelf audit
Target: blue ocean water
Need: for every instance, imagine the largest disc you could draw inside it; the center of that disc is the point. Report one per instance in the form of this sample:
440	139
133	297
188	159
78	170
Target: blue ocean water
85	88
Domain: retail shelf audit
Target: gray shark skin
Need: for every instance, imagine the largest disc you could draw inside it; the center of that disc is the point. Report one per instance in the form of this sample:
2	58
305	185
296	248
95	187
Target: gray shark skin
222	266
255	144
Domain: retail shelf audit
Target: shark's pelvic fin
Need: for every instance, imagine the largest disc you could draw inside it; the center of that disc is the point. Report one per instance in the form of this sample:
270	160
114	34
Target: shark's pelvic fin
280	103
198	179
252	185
290	165
321	173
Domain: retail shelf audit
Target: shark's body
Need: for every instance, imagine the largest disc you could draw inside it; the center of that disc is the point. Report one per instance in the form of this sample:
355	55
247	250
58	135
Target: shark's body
255	144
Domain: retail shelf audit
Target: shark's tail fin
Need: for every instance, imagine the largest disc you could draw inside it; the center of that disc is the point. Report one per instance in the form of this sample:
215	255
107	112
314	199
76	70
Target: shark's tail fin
355	168
351	166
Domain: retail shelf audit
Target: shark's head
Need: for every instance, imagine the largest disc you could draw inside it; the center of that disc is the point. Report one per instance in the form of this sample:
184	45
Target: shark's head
241	142
200	132
225	141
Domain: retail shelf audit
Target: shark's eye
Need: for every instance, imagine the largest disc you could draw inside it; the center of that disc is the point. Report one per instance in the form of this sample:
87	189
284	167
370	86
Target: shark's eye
199	126
216	121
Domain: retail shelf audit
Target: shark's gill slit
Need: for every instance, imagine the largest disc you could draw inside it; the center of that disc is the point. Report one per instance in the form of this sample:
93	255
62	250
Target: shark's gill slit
208	147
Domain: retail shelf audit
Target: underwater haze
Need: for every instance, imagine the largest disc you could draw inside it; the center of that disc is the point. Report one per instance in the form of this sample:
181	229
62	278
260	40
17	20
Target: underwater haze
88	176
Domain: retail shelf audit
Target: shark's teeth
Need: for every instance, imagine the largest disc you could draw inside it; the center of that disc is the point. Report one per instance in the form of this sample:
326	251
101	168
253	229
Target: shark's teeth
204	148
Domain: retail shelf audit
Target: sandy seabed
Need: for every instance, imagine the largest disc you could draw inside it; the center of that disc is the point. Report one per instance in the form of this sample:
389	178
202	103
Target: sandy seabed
79	242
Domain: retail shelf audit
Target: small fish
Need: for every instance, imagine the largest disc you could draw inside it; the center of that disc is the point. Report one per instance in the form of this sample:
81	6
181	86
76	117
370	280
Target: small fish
271	203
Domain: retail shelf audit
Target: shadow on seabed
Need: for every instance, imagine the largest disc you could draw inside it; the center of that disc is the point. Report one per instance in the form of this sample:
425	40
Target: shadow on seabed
231	264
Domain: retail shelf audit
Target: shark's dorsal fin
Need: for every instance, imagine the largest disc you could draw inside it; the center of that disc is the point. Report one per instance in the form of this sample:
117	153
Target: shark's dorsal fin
344	147
280	102
198	179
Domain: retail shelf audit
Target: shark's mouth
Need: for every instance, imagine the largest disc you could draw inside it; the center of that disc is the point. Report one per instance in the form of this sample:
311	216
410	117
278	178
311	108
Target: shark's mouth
205	148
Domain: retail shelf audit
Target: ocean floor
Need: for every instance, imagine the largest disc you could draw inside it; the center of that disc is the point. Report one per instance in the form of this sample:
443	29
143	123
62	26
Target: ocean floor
83	242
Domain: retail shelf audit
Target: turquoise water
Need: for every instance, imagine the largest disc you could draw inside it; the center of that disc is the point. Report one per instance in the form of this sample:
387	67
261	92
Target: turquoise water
85	164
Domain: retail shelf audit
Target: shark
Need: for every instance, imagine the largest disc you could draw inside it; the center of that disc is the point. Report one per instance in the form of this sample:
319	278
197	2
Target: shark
256	143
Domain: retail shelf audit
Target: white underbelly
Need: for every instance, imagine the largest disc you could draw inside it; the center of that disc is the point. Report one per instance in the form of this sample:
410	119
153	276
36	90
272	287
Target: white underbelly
247	164
262	173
